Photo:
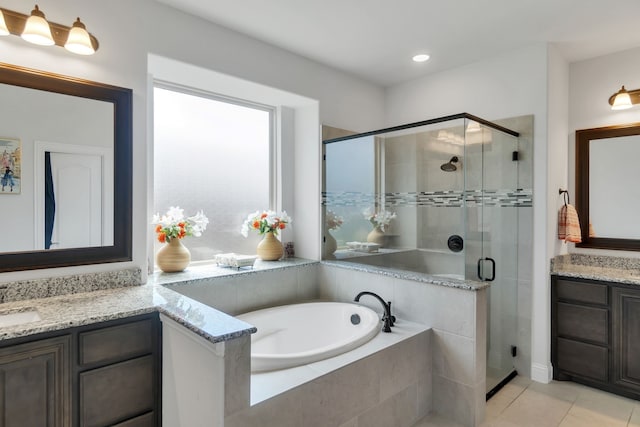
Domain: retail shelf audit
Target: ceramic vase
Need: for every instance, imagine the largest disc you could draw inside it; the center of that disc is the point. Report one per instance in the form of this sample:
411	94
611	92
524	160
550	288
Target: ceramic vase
376	236
330	245
270	248
173	257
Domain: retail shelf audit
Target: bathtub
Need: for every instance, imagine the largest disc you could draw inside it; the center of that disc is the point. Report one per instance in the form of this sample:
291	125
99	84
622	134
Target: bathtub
298	334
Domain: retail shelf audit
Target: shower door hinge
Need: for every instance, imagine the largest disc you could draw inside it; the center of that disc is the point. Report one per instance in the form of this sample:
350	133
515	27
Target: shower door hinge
514	351
515	156
324	157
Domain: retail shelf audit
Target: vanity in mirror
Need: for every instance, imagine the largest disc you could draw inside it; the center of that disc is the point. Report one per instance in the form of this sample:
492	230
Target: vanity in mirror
607	190
66	151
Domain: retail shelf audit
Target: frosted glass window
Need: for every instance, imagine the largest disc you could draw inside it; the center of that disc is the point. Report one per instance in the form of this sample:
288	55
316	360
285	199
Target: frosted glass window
213	155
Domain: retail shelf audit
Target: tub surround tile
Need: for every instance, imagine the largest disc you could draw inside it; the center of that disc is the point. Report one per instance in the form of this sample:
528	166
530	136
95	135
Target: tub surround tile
398	365
237	385
597	267
349	391
454	358
197	272
241	293
455	401
268	384
399	410
66	285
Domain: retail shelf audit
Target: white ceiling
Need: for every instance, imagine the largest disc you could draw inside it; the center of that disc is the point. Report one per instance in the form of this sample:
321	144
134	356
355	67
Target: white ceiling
375	39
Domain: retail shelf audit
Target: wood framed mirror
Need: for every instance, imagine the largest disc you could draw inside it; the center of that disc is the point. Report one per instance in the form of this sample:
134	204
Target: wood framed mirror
607	187
70	103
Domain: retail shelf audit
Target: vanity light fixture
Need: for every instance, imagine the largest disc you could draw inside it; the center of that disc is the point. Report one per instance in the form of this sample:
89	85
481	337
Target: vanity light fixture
4	31
624	99
36	29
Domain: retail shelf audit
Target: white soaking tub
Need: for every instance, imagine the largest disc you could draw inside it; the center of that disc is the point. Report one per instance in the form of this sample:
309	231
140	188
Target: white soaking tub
298	334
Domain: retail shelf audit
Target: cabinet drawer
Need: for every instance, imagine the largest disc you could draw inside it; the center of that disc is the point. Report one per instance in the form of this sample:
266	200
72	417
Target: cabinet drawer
116	343
582	292
145	420
583	359
582	322
116	392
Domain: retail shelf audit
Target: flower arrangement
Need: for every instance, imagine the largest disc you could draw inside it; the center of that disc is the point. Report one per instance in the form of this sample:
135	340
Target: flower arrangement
265	221
174	225
381	219
333	221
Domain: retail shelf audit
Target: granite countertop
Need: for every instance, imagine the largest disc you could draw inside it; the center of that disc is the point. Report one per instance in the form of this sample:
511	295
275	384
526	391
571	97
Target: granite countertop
66	311
434	279
597	267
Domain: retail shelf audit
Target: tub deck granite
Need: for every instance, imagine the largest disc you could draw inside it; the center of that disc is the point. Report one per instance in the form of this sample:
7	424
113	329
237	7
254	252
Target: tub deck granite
65	302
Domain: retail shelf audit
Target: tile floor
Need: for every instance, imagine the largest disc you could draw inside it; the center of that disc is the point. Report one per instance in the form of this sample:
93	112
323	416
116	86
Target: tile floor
523	403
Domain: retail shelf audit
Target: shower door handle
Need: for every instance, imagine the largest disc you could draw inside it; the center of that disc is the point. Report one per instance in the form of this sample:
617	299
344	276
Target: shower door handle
493	269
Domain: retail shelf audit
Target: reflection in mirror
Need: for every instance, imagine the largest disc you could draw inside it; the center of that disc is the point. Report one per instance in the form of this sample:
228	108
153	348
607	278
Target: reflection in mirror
614	197
607	198
78	134
74	171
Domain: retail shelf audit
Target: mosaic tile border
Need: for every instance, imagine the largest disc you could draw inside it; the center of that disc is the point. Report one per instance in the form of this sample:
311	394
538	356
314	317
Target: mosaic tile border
456	199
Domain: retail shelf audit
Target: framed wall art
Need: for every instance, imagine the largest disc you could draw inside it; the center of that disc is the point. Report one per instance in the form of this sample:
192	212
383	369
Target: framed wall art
10	165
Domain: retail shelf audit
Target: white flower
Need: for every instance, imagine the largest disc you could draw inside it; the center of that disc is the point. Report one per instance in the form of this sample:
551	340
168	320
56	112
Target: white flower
199	223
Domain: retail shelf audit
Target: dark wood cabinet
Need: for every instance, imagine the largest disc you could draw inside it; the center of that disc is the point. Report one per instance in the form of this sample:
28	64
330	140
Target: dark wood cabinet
106	374
35	383
596	334
626	340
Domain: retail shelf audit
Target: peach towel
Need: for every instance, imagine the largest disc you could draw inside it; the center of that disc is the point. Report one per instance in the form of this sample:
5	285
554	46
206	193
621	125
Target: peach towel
569	224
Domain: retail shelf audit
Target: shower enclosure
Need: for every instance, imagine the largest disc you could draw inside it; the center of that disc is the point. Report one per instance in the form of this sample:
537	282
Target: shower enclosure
437	197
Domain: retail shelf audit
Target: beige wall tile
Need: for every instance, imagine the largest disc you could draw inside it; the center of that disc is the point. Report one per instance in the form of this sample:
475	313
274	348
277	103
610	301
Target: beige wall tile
397	411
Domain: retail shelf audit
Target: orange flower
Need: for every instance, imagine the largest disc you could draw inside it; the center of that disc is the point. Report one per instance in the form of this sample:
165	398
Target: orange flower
162	237
263	216
256	224
158	228
181	233
281	225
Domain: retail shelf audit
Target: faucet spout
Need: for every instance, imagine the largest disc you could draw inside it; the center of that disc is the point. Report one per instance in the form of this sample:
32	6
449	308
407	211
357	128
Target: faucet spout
387	318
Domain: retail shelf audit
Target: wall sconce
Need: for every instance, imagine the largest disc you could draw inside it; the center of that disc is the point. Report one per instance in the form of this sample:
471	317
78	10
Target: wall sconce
624	99
36	29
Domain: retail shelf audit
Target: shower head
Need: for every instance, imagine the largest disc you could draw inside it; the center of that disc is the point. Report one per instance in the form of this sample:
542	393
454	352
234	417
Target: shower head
449	166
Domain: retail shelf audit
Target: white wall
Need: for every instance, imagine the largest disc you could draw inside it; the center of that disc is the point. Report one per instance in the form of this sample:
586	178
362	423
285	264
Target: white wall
592	82
555	168
128	31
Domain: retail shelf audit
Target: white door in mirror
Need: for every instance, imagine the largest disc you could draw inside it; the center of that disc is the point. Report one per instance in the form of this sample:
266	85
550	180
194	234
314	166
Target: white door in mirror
77	185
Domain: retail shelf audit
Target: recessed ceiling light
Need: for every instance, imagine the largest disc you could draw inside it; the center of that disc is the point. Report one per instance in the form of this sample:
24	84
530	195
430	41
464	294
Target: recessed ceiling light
421	58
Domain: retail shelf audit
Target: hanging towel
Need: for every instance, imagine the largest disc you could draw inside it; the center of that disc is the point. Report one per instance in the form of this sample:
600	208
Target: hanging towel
568	224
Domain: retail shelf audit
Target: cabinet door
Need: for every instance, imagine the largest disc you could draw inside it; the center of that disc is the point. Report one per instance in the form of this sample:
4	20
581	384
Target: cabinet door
35	384
626	330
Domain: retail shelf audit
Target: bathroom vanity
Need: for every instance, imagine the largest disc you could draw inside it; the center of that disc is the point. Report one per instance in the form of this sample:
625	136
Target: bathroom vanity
102	374
595	318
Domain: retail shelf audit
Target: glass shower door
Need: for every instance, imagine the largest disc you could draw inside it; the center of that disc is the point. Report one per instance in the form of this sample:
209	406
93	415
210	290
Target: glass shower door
492	181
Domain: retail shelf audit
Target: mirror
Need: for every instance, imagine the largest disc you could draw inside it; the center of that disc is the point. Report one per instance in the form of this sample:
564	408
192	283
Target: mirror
607	197
68	117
